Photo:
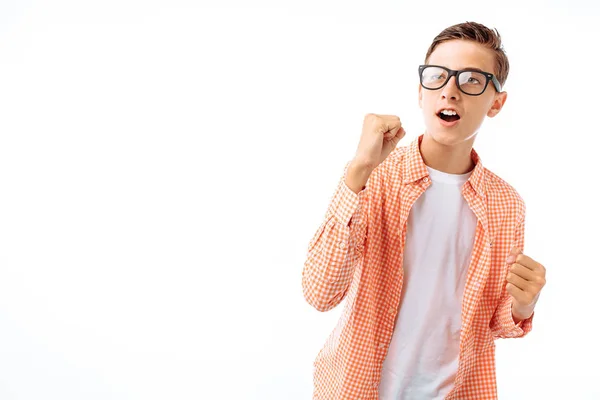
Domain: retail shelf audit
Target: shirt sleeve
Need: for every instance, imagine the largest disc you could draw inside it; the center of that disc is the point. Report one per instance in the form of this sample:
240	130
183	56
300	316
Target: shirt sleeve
502	324
337	246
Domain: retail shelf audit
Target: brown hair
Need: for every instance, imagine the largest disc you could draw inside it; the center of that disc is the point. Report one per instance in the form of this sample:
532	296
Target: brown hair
480	34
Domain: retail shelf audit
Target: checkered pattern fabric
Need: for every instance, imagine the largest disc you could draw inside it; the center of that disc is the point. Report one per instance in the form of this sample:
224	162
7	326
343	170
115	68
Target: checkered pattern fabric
356	255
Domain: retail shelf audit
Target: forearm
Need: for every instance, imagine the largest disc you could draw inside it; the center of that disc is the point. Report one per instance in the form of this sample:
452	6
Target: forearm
357	175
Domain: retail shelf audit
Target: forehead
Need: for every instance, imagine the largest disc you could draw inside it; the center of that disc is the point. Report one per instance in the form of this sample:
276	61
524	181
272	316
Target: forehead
461	54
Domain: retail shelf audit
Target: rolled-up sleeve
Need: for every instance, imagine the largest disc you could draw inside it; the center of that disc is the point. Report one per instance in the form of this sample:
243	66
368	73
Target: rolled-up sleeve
336	247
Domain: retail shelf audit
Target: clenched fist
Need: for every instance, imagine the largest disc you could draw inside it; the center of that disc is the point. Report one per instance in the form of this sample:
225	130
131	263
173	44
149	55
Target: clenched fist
380	135
525	280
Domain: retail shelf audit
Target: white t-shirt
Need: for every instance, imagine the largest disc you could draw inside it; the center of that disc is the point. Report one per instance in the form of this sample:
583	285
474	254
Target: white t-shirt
422	359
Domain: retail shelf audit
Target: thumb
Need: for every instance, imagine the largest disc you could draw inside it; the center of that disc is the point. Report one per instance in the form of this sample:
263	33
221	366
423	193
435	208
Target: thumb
512	256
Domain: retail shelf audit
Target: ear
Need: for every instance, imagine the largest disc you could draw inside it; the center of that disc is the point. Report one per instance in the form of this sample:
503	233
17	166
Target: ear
499	100
420	96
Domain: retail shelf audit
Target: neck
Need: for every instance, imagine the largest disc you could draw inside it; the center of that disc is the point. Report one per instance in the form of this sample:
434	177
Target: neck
451	159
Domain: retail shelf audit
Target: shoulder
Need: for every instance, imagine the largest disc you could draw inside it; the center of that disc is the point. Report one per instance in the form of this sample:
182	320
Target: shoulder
392	166
398	154
503	193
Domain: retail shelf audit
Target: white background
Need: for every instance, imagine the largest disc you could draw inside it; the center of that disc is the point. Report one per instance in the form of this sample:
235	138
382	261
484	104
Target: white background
163	166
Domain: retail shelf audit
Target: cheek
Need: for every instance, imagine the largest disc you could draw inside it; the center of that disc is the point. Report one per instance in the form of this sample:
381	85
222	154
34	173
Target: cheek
479	113
426	101
485	106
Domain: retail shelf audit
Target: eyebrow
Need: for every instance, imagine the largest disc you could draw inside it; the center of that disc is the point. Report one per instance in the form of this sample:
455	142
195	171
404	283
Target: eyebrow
473	69
470	69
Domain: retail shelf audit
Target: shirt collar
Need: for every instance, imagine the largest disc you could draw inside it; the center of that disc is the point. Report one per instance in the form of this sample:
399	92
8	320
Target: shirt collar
415	168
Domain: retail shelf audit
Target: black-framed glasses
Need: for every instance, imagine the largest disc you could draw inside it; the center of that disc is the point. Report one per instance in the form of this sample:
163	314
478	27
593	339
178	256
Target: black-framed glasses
469	81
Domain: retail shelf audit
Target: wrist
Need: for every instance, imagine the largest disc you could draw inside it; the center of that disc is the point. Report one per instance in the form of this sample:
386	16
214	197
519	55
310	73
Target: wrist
357	175
521	313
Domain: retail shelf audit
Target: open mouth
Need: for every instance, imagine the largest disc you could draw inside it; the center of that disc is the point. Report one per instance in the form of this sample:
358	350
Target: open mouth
448	116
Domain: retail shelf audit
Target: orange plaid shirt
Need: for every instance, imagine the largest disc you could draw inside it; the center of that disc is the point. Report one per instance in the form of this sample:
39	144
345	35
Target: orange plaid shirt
356	254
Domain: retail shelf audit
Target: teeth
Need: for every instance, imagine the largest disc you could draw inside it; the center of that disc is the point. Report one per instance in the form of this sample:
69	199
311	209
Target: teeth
448	112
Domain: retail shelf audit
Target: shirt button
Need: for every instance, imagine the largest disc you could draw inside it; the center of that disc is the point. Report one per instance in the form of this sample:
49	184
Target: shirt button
426	179
381	345
342	245
391	310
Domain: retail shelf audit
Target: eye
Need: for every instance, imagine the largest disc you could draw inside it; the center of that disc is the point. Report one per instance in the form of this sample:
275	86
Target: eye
472	78
434	77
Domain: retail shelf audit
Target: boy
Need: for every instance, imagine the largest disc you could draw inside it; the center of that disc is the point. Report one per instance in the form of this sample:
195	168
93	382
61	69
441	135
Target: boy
425	244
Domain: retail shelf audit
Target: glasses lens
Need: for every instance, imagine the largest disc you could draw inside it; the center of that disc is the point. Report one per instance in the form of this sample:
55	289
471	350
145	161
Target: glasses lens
472	82
433	77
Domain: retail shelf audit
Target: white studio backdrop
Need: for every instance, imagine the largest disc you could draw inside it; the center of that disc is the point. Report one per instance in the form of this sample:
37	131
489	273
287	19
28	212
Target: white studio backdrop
163	166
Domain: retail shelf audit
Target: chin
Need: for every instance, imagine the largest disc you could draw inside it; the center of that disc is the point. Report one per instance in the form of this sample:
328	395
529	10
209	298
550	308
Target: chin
450	136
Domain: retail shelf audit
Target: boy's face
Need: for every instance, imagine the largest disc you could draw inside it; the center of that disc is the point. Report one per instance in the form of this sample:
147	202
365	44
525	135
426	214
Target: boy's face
458	55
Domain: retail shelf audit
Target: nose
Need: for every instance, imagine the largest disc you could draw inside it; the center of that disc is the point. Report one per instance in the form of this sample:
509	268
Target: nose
450	89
